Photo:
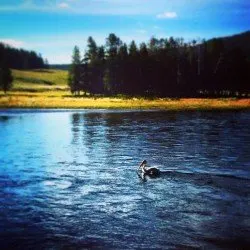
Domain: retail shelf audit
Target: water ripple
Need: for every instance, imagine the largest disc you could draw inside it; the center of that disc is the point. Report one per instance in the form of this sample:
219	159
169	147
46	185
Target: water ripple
69	180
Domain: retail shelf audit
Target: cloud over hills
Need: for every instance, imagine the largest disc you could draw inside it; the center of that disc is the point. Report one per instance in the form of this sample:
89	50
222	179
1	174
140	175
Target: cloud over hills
12	42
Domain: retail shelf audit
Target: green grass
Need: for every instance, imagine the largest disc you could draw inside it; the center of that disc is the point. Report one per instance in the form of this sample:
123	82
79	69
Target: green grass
39	80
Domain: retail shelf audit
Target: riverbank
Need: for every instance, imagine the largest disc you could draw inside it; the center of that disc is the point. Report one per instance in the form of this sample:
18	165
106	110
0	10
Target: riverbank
63	99
48	89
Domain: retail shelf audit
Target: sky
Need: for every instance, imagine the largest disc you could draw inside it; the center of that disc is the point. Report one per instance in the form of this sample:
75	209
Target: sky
54	27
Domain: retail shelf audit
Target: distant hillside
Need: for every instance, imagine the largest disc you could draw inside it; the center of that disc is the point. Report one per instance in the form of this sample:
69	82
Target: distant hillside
241	40
39	80
59	66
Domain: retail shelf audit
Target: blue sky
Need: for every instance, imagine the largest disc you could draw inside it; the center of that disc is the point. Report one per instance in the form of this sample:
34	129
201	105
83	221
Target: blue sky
53	27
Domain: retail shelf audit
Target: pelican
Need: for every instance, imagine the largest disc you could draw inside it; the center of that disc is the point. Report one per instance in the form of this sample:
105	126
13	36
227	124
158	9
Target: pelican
152	172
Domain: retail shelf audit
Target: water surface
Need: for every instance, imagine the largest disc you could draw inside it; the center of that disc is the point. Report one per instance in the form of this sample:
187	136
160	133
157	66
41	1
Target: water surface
68	180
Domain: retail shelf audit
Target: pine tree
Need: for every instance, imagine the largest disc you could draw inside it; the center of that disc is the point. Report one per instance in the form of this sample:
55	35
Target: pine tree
123	64
46	63
111	85
74	76
144	69
91	69
6	78
134	70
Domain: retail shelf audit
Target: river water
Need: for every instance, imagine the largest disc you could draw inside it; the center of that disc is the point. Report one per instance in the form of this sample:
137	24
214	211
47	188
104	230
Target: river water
68	180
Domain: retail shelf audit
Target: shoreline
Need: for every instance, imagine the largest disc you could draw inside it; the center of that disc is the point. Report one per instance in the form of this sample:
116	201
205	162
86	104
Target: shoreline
11	101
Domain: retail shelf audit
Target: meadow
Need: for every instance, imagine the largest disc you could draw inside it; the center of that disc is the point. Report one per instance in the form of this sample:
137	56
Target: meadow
47	88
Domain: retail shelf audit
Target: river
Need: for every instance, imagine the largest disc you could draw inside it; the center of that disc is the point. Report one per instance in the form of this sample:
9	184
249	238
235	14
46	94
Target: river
68	179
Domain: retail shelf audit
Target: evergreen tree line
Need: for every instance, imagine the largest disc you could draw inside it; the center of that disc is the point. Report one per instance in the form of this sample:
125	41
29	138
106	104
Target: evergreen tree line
162	67
17	59
20	58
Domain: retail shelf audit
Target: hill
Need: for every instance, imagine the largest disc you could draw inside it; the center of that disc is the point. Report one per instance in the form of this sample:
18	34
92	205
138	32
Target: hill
39	80
241	41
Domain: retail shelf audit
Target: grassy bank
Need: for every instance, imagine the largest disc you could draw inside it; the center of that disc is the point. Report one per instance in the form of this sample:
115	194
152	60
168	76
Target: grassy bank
48	89
57	99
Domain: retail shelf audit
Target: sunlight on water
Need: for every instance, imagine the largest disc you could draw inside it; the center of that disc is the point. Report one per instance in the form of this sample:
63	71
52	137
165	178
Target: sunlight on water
68	179
58	184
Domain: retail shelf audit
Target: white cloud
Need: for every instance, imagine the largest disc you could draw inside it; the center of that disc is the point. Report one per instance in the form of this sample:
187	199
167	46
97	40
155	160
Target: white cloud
167	15
12	42
63	5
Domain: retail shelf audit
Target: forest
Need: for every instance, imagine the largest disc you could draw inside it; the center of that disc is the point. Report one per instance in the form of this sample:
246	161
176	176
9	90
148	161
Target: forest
166	67
21	59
